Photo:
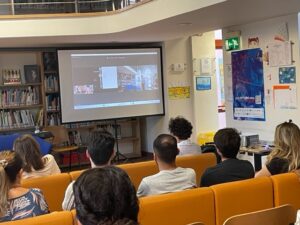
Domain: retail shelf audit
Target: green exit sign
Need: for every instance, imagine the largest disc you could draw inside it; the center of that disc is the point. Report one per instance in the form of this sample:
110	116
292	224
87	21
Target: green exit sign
232	43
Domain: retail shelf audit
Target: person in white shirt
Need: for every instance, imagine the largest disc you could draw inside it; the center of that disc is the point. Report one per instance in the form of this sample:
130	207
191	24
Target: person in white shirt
100	152
35	165
170	178
182	130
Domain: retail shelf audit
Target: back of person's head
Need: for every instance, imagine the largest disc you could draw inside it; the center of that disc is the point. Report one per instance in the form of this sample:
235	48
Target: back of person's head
180	127
10	166
29	150
101	147
105	196
228	142
287	142
165	148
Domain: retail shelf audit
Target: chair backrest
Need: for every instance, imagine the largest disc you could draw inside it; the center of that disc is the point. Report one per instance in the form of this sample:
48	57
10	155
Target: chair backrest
196	223
137	171
60	134
55	218
286	189
178	208
244	196
53	188
281	215
197	162
75	174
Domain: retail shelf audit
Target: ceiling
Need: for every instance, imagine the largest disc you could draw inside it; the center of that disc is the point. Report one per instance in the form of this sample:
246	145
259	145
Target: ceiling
228	13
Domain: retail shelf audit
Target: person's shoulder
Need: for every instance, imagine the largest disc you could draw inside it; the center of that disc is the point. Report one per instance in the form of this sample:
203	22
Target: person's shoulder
36	191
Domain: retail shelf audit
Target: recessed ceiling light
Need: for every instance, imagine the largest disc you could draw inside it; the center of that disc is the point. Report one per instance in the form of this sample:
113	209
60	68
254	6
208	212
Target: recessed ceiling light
185	24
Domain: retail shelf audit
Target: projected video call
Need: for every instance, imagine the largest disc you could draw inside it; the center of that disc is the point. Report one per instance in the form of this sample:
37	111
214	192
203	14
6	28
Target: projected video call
97	84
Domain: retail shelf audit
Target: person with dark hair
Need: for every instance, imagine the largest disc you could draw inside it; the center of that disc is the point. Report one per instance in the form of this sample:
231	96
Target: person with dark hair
35	165
100	152
228	143
170	178
105	196
17	202
182	130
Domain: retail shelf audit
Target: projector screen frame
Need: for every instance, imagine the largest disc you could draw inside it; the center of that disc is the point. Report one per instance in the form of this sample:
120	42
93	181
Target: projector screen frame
116	48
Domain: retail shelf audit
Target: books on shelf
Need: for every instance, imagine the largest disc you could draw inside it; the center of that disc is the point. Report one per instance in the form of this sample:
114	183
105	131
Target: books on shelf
52	102
19	96
53	119
16	119
51	83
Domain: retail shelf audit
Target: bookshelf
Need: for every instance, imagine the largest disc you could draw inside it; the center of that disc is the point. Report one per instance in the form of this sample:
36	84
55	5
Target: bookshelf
51	86
27	101
21	90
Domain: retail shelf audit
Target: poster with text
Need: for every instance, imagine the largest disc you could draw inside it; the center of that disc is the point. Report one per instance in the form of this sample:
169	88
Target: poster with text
248	85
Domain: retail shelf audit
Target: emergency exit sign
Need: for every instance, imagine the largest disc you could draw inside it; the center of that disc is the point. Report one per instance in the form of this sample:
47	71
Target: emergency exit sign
232	43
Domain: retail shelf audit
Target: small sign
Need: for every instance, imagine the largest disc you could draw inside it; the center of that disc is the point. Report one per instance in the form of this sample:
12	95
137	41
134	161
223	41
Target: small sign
232	43
203	83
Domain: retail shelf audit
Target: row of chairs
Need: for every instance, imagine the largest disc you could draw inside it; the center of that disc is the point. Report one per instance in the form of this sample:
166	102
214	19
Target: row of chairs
54	186
257	201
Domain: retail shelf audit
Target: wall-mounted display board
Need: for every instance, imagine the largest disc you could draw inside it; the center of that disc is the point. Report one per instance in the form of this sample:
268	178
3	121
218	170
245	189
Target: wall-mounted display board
248	85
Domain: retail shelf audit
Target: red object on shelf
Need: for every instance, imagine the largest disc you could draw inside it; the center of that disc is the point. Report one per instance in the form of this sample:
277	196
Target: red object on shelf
74	159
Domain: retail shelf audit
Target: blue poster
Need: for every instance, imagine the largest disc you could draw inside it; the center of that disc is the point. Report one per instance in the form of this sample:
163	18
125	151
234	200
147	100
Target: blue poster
248	85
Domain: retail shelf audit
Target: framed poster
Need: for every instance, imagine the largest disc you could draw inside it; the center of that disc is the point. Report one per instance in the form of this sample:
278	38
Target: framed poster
32	74
248	85
203	83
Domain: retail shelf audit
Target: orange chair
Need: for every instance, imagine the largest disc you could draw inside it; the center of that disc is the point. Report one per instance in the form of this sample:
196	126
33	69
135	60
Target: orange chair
244	196
137	171
286	189
178	208
281	215
53	188
55	218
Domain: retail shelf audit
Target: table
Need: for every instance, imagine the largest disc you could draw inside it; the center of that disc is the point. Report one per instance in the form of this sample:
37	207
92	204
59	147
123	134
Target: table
257	151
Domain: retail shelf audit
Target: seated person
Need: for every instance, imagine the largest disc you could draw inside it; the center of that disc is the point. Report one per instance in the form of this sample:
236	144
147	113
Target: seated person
182	130
35	165
105	196
100	152
227	142
17	202
170	178
7	142
285	157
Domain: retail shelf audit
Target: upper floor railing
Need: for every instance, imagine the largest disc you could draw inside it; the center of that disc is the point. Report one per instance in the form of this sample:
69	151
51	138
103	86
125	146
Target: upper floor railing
32	7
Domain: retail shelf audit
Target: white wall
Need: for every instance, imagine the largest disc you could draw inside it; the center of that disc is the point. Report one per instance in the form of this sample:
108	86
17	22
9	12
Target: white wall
205	102
265	30
202	108
175	51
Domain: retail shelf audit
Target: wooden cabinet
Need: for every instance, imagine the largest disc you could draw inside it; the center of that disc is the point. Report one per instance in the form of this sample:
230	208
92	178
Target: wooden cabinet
126	131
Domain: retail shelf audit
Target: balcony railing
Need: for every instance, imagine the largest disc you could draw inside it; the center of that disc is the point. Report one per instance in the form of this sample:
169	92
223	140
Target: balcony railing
31	7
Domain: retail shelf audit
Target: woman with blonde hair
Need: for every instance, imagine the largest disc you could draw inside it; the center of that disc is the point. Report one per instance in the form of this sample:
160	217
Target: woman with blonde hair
286	155
17	202
35	165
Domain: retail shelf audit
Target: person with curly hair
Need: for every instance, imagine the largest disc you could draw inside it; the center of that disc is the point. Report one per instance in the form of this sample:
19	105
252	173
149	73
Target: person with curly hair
181	128
105	196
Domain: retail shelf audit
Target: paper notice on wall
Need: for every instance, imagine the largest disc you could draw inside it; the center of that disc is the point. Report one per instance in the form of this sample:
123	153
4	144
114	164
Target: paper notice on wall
179	92
280	53
285	96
